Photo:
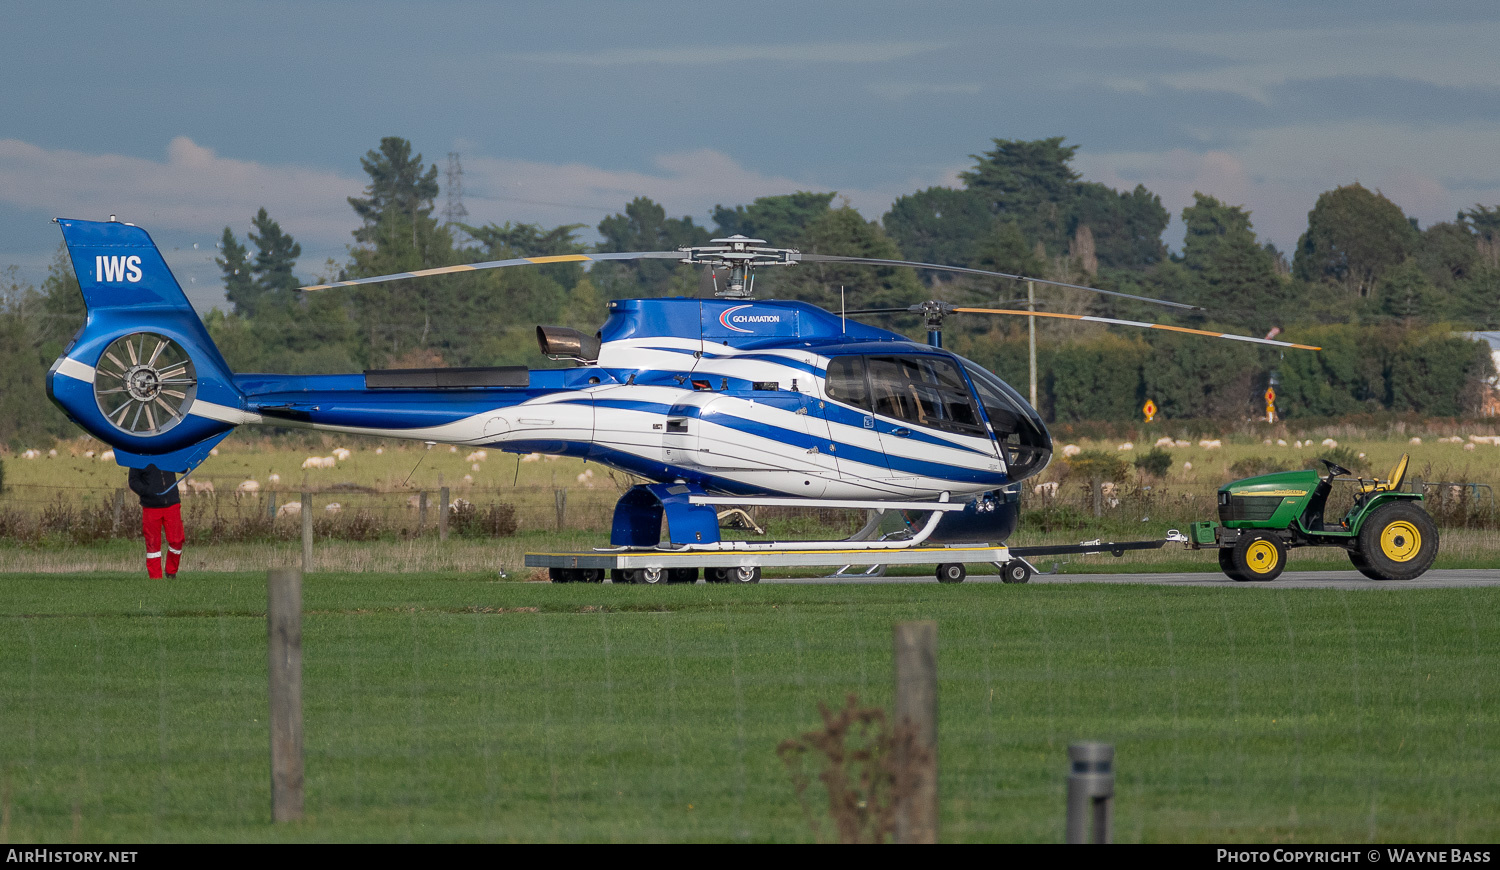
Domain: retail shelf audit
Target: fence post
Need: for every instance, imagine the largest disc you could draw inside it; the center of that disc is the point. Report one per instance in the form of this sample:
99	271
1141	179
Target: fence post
421	511
307	550
916	711
443	514
118	509
284	651
560	501
271	505
1096	489
1091	793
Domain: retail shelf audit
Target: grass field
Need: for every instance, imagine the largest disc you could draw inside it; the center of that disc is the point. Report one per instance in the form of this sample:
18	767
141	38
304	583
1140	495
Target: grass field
454	707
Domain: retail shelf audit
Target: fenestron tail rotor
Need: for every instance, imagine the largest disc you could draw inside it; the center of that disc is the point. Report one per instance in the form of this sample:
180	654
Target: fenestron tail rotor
144	383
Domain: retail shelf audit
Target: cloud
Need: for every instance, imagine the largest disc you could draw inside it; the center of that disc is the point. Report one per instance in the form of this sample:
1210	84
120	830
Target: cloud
193	190
1278	173
812	52
906	90
686	183
1251	62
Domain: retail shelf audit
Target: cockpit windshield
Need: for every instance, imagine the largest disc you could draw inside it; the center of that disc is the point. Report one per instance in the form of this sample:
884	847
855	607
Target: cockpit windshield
1018	428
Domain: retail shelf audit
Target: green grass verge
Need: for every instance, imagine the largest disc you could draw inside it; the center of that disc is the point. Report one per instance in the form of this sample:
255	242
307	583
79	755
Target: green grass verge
443	707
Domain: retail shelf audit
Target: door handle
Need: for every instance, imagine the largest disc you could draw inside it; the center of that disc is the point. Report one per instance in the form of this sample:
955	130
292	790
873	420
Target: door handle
901	432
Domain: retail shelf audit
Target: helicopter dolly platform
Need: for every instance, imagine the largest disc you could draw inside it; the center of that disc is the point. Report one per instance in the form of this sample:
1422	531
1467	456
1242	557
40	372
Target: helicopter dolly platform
653	566
744	566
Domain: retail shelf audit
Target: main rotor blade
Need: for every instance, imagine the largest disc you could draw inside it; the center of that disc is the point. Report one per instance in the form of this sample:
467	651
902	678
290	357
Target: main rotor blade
501	264
868	261
1092	319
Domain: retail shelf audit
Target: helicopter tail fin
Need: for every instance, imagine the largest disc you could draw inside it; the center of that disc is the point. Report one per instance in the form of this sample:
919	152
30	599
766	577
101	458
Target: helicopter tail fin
142	375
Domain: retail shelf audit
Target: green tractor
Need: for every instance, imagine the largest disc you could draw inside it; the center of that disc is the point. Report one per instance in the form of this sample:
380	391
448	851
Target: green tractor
1386	532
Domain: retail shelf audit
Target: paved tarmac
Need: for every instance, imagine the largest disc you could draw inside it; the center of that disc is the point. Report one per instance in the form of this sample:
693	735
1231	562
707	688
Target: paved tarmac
1445	579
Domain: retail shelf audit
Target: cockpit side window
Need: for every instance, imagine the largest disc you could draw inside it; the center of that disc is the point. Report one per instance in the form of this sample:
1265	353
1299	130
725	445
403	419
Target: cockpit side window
846	381
925	390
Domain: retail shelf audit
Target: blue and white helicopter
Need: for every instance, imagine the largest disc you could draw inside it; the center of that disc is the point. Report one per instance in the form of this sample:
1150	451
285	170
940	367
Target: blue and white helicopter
714	401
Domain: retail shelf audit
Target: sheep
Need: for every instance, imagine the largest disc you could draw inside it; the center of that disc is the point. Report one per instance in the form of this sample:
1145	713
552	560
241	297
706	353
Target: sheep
213	451
1045	490
1280	442
1215	444
333	507
459	504
1072	450
248	486
1180	443
319	462
290	509
1187	466
274	478
1329	442
1267	442
1126	446
1415	440
550	457
31	454
413	502
197	487
452	449
468	478
1469	446
88	454
52	454
474	467
477	456
531	457
1165	441
379	451
341	453
107	456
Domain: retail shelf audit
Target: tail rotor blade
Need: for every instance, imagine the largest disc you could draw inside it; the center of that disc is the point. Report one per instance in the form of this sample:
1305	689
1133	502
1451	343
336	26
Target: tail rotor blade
1110	320
934	267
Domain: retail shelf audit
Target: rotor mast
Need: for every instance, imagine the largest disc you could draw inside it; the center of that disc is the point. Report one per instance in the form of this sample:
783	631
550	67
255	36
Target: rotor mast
738	256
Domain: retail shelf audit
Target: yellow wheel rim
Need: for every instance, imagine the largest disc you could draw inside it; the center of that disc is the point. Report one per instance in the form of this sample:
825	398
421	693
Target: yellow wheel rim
1261	557
1400	541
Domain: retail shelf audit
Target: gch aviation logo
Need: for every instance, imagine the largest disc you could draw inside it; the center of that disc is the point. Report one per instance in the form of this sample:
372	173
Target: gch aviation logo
731	316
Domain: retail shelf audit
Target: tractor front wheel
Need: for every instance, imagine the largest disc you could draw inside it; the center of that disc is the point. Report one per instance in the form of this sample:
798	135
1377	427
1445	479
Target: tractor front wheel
1226	564
1399	541
1258	556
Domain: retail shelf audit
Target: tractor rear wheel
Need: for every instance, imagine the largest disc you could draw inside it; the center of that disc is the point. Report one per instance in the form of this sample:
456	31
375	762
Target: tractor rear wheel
1399	541
1258	556
1362	566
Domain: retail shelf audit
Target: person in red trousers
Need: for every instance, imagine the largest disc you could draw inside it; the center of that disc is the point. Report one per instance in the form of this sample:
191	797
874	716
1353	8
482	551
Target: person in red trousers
161	509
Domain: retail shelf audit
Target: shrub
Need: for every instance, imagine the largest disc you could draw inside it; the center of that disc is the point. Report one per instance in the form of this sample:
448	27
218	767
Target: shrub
493	521
1347	457
1099	465
1155	462
1254	466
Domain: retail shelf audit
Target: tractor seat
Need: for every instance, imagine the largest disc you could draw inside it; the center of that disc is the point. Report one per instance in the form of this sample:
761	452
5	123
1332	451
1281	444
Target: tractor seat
1398	477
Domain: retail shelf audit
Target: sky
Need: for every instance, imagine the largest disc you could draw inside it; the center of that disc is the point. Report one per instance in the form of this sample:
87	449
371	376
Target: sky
185	118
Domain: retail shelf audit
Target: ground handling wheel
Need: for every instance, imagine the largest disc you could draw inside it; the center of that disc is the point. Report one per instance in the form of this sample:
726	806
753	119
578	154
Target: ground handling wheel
1258	556
1399	541
591	575
717	575
682	575
1015	571
951	572
560	575
744	574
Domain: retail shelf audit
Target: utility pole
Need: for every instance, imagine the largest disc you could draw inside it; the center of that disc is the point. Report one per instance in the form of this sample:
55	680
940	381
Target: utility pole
453	210
1031	328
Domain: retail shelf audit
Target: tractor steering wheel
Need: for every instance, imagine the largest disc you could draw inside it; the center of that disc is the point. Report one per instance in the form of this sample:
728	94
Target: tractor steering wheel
1334	469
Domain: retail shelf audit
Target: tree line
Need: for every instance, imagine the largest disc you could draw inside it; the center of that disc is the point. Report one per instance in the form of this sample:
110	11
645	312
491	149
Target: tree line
1381	293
